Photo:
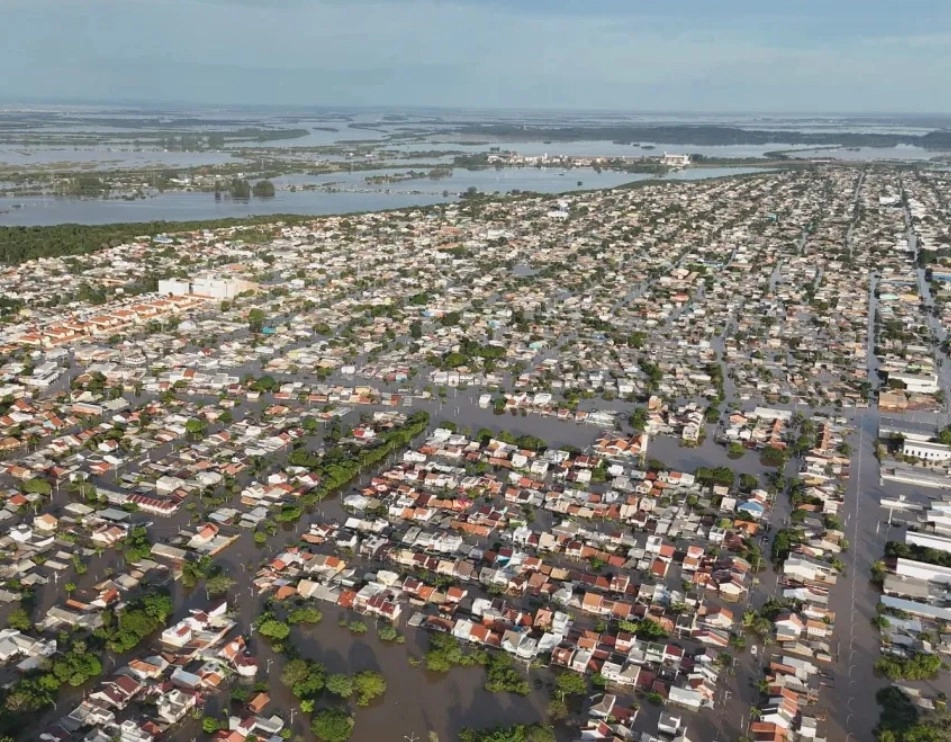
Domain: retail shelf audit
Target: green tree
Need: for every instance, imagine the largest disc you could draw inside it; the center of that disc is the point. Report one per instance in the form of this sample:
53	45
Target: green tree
38	486
918	666
517	733
240	188
557	709
19	619
219	583
263	189
294	672
333	725
648	629
305	678
773	456
274	629
210	725
368	685
388	633
340	685
308	614
638	419
194	426
570	684
256	320
502	677
748	482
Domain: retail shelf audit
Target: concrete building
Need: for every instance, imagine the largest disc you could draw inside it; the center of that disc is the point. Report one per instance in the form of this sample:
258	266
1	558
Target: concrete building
212	287
174	286
917	383
672	160
923	571
926	450
928	540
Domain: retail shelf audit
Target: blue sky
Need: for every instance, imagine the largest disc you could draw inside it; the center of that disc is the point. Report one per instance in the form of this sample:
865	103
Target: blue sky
650	55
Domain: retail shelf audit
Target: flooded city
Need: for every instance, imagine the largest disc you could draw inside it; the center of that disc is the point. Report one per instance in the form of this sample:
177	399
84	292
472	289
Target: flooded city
430	427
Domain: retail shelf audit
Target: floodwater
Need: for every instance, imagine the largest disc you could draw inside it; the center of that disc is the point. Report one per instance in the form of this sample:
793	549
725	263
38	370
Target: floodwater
453	701
416	701
321	137
595	148
355	196
546	180
904	152
196	206
105	157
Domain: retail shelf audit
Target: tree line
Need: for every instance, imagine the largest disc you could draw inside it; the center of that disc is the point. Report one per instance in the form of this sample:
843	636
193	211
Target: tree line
19	244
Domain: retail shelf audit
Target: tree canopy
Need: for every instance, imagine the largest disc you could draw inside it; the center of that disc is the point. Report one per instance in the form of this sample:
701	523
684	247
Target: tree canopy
333	725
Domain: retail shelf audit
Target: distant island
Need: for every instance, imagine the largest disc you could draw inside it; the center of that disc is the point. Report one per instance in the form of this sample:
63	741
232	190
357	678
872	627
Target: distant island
704	135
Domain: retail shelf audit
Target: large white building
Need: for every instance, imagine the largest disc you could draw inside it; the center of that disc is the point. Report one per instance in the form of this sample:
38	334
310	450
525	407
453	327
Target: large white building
926	450
212	287
917	383
675	160
174	286
923	571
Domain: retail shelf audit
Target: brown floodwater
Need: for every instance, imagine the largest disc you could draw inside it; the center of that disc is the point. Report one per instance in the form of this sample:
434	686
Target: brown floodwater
416	701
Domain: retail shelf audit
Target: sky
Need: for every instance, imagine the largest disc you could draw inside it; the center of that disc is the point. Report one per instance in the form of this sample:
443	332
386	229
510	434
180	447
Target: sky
858	56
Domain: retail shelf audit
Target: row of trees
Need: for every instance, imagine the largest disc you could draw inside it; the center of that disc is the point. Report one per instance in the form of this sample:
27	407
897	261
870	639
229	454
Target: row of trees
917	666
241	188
484	435
722	475
896	549
308	679
445	652
18	244
339	468
123	630
517	733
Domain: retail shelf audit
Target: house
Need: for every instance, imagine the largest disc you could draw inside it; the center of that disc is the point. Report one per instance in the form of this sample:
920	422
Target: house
603	707
686	697
788	626
178	635
807	570
258	703
174	705
719	618
670	723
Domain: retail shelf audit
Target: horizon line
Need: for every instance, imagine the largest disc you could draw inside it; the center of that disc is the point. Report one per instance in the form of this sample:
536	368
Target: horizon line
160	106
